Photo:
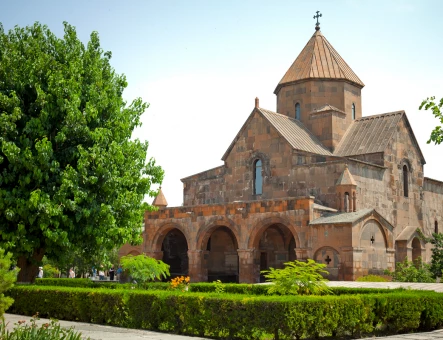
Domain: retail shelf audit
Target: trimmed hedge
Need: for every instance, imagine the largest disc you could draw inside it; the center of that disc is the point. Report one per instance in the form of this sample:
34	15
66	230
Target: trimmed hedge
236	315
201	287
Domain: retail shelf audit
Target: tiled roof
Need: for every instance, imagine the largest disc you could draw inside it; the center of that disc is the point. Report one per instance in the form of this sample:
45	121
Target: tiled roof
160	199
369	134
343	217
295	133
319	60
346	178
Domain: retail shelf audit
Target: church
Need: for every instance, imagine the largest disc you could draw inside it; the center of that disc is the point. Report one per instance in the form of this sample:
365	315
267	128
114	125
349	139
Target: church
311	180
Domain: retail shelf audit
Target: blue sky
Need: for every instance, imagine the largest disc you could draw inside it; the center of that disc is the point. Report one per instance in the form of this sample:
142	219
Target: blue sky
200	64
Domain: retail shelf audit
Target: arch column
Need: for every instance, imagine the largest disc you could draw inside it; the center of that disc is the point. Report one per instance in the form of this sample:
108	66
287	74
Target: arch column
198	271
247	272
303	254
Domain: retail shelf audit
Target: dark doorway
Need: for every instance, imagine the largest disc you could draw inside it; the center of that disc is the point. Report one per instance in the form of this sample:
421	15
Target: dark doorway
175	253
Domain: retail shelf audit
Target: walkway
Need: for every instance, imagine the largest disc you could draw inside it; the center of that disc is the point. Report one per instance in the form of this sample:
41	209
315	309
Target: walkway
98	332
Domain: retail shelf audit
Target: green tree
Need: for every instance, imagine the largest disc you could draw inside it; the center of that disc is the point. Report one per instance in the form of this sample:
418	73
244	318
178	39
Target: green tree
437	110
70	175
298	278
436	239
143	268
7	279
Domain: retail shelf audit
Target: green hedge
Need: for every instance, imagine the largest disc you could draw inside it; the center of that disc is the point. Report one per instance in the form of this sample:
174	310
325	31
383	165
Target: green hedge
202	287
236	315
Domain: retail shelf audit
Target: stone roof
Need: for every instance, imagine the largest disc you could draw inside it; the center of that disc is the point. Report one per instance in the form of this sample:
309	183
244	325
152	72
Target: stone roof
346	178
160	200
295	133
320	60
369	134
327	108
407	233
343	217
292	130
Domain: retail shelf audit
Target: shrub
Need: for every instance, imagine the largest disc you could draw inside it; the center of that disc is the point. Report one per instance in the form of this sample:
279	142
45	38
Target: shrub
408	271
47	331
235	315
7	279
372	278
143	268
50	271
298	278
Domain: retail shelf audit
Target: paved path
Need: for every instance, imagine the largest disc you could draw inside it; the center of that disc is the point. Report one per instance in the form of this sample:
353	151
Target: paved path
99	332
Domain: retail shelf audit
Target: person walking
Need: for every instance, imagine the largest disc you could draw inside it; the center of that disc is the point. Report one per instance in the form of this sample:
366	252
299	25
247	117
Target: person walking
71	273
40	273
101	274
111	273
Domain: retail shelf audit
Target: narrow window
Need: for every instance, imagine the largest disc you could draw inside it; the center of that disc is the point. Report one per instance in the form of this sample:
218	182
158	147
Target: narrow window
436	227
297	111
346	202
258	178
353	111
405	181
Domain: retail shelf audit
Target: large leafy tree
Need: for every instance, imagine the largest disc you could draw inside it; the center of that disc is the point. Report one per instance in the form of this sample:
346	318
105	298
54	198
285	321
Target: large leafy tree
70	175
437	110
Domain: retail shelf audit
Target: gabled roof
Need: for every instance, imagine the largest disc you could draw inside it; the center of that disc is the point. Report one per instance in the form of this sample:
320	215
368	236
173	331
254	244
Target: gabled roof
372	134
160	199
346	178
351	218
292	130
327	108
319	59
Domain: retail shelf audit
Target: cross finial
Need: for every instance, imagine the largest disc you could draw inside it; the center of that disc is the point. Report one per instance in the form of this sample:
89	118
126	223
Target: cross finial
317	25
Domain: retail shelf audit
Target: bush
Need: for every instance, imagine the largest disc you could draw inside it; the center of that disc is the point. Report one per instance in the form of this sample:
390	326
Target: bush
48	331
235	315
143	268
372	278
7	279
416	271
298	278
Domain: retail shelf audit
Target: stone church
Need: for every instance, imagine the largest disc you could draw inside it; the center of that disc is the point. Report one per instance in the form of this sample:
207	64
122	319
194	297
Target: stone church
312	180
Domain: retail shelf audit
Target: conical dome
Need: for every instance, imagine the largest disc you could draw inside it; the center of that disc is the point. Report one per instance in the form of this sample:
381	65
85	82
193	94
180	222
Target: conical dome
319	60
160	199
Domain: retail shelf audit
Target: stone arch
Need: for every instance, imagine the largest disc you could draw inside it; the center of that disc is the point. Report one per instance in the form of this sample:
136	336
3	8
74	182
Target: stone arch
373	244
175	252
331	258
205	233
161	233
270	239
219	243
261	226
416	249
382	230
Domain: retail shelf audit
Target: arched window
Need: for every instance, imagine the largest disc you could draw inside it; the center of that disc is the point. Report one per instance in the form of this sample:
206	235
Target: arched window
258	177
353	111
436	227
297	111
405	181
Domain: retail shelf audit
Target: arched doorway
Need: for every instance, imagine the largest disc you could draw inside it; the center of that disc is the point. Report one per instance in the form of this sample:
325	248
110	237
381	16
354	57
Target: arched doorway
222	256
175	253
373	243
416	249
275	247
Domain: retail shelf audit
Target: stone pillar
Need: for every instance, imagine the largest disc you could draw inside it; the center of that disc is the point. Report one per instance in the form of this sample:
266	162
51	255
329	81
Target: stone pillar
247	272
196	272
158	255
302	254
354	201
340	206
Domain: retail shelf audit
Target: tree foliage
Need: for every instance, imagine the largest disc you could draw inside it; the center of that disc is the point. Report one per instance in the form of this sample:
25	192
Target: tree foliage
143	268
412	271
436	239
437	110
298	278
70	175
7	279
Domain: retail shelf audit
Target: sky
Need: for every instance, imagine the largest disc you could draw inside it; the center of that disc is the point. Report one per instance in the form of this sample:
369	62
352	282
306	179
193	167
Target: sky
200	64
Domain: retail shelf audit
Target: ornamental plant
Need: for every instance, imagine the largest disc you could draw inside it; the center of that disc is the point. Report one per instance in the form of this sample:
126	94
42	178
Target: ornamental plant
47	331
180	282
298	278
412	271
7	278
143	268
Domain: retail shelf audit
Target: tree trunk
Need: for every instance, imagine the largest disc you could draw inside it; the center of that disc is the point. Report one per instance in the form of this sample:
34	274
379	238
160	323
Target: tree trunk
29	266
